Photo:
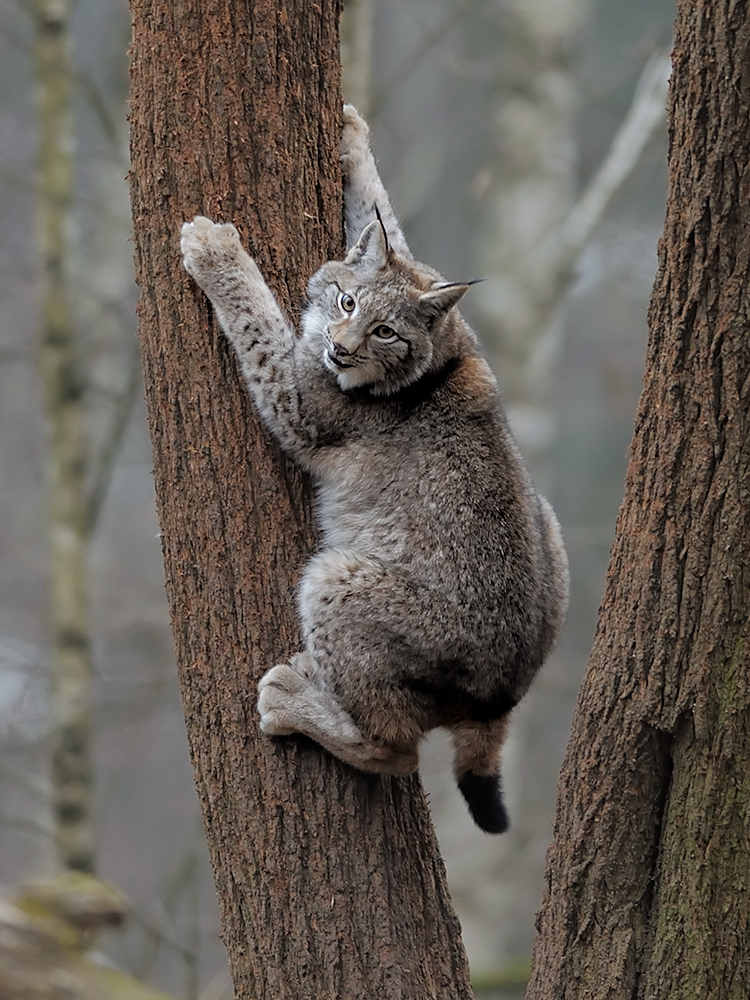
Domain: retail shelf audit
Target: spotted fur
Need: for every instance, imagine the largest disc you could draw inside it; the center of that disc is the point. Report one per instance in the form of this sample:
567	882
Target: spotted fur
441	584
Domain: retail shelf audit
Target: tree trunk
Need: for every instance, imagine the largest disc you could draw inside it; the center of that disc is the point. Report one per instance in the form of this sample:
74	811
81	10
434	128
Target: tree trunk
647	877
67	450
329	881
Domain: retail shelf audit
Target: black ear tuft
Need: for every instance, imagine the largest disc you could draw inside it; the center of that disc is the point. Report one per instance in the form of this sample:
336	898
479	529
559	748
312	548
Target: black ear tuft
443	295
484	797
379	217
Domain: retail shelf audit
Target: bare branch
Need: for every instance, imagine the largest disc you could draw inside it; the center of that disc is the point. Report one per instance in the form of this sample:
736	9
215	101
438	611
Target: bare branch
647	111
36	786
357	22
105	463
109	122
36	827
164	932
429	40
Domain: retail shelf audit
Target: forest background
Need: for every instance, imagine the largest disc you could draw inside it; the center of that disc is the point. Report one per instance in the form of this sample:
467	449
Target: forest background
490	122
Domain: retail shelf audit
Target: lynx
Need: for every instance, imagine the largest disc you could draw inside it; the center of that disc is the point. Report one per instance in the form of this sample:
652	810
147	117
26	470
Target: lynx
441	583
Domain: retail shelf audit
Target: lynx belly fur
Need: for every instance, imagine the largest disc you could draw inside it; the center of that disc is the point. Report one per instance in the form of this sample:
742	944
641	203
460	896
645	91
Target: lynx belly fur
442	583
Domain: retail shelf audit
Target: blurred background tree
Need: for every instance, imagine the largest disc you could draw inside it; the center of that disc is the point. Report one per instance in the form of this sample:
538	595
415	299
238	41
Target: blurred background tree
489	120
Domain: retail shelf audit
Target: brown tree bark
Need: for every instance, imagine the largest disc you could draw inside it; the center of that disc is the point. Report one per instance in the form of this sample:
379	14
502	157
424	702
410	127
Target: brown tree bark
330	883
647	878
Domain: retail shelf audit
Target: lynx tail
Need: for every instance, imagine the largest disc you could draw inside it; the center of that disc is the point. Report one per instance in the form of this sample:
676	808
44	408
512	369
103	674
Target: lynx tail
484	796
476	764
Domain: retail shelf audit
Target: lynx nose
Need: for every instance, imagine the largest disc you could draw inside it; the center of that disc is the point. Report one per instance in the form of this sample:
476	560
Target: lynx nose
339	350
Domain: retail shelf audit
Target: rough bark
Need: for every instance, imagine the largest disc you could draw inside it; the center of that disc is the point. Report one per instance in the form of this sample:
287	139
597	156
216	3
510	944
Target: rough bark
647	879
329	882
67	449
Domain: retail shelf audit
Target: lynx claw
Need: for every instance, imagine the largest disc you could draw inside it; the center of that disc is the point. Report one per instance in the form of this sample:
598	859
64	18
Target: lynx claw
205	243
354	120
273	723
354	138
201	226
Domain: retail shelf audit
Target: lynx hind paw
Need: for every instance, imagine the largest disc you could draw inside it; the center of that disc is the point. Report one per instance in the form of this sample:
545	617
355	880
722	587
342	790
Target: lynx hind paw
354	137
205	244
280	689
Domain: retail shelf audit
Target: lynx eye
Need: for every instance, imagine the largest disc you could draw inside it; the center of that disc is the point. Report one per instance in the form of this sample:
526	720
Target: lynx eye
347	302
383	332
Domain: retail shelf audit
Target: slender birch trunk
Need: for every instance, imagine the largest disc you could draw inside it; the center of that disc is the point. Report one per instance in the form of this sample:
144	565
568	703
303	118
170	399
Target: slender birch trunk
66	458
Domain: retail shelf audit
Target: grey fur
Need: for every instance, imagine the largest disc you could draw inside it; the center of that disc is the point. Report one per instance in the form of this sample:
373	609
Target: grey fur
442	581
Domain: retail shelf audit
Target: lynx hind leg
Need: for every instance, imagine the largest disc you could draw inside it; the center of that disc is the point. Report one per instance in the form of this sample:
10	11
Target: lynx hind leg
292	700
358	621
558	571
476	762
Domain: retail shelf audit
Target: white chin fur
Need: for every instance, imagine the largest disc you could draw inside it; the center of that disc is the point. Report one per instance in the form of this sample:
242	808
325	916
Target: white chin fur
352	378
348	378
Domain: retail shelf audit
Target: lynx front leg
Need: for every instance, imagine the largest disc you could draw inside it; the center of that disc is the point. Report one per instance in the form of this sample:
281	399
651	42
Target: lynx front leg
364	191
253	323
214	257
291	702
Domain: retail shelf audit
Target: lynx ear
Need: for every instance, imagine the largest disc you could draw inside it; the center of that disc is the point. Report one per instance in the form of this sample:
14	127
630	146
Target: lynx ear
444	295
371	248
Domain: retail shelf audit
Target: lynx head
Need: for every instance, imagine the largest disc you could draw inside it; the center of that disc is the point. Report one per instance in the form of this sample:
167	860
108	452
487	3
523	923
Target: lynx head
378	320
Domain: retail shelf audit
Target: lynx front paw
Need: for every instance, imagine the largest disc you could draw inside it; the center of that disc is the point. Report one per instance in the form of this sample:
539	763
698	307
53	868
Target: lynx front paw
354	139
209	248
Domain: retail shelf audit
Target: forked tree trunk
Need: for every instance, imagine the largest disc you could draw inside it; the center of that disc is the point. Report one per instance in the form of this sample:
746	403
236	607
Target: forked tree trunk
329	882
647	880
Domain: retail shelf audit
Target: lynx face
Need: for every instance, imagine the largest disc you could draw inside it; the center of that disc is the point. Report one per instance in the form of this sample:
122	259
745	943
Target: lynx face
375	318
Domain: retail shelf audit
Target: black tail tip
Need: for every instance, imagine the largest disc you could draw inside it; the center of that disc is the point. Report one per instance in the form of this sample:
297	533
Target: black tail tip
484	796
